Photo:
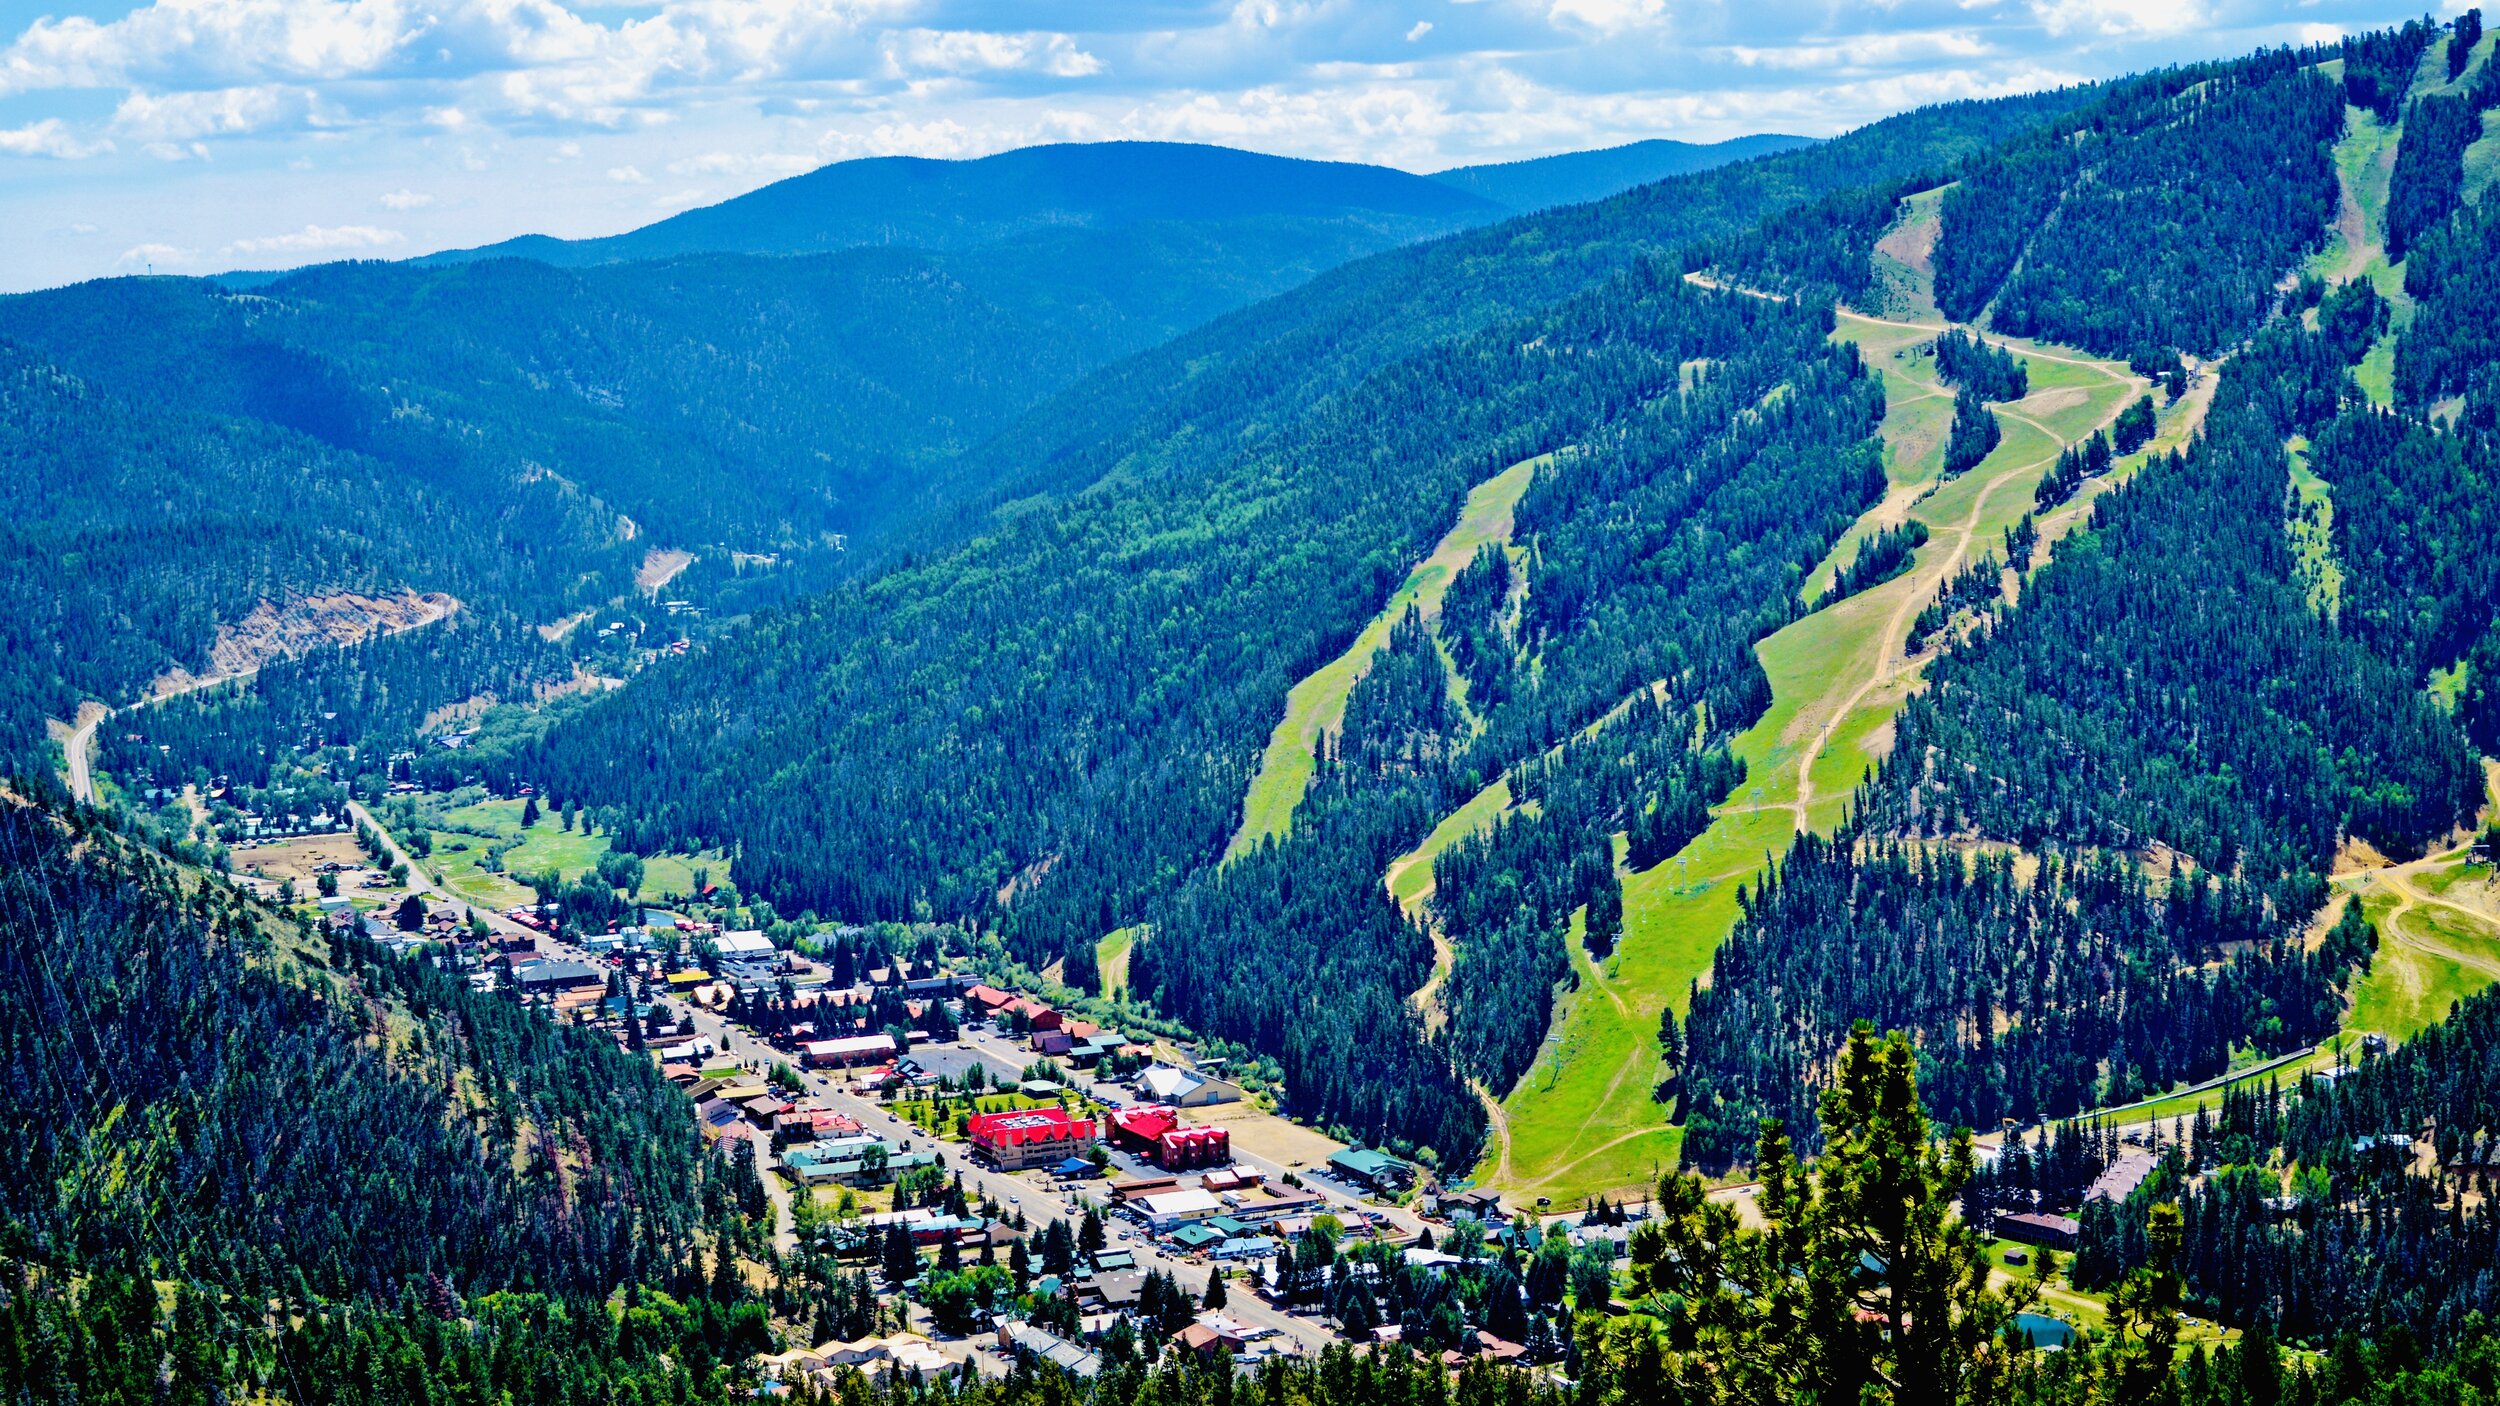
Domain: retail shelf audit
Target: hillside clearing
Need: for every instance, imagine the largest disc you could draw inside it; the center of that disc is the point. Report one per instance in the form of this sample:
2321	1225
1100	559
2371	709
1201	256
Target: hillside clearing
1583	1121
462	837
1316	706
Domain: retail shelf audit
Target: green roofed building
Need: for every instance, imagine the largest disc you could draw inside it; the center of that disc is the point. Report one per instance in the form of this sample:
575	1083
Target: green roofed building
1196	1237
1377	1170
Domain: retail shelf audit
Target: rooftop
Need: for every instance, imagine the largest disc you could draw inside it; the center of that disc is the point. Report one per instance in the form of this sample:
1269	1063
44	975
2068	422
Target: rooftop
1027	1125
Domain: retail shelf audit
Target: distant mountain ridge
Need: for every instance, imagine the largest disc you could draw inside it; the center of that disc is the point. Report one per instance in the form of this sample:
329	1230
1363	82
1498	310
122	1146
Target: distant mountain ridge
1571	177
922	203
1046	192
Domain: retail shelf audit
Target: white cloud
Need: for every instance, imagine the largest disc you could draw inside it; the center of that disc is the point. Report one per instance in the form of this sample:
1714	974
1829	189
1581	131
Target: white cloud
210	42
155	254
969	51
2117	19
944	137
219	112
1422	28
405	199
1865	51
1608	16
50	137
628	175
317	239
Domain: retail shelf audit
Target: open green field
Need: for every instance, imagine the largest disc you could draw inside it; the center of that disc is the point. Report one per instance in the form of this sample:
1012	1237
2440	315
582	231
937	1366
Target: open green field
1583	1119
459	859
459	855
2364	160
2429	959
1316	705
2356	246
1111	958
2463	874
1410	877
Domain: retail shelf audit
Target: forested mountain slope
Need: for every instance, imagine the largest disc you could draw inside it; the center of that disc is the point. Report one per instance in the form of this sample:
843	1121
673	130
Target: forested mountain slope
915	202
1202	397
2170	686
253	1161
207	1090
1544	182
519	437
539	429
97	596
759	403
515	436
1074	699
2225	168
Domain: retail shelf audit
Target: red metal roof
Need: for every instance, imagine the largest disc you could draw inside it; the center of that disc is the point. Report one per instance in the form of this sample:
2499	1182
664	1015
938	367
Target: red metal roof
1146	1121
1027	1125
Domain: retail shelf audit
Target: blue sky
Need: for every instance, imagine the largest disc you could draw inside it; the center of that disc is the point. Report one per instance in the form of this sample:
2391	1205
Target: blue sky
198	135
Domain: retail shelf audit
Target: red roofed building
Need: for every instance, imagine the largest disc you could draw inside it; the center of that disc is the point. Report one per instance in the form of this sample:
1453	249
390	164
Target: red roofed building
1030	1137
1194	1147
1151	1131
1140	1128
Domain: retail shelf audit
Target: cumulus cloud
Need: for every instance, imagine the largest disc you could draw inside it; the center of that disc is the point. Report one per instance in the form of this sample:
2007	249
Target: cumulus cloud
405	199
2119	18
628	175
316	239
154	254
50	137
209	43
968	51
218	112
1609	16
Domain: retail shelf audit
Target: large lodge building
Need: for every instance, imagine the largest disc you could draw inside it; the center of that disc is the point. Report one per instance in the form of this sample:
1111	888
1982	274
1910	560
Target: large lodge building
1031	1137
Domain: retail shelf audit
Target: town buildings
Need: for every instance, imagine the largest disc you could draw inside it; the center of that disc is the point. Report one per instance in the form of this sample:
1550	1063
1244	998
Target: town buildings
1030	1137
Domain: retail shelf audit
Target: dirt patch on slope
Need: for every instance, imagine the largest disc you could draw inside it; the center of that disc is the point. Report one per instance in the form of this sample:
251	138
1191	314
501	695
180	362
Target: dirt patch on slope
2049	402
1913	242
660	566
284	629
